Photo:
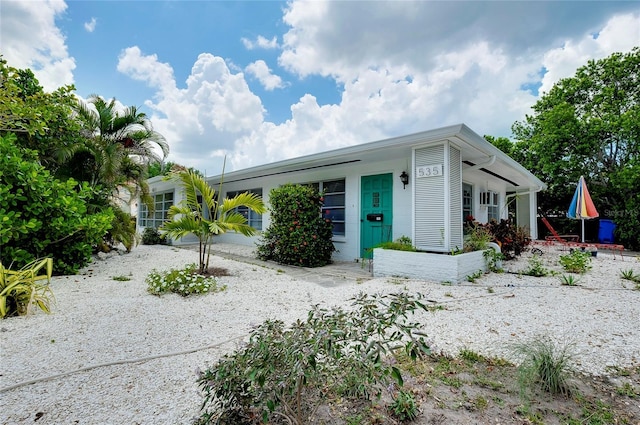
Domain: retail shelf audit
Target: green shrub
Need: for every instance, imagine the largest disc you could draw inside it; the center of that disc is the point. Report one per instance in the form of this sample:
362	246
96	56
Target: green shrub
287	372
44	217
576	261
151	236
298	234
181	281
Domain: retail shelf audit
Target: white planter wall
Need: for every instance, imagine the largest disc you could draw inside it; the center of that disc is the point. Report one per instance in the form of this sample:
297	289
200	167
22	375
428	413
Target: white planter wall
427	266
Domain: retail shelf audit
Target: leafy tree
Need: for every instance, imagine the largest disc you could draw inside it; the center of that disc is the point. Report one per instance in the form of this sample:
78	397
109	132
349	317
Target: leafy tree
298	234
41	121
165	168
203	214
589	125
41	216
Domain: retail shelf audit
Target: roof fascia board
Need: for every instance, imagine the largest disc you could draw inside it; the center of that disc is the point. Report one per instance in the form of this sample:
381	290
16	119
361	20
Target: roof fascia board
401	141
482	144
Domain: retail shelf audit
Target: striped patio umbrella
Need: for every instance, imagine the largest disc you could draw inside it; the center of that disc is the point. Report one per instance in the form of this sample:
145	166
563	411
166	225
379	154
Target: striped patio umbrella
581	205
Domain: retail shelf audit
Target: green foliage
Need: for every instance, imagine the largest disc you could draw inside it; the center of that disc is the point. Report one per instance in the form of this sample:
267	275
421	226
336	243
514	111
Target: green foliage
21	289
151	236
181	281
123	230
41	121
203	214
472	277
568	280
576	261
44	217
477	239
287	372
536	268
513	240
588	125
297	234
546	364
404	406
629	274
403	243
493	259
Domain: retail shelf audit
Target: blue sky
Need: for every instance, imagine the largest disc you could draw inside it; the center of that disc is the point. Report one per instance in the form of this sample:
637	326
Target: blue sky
264	81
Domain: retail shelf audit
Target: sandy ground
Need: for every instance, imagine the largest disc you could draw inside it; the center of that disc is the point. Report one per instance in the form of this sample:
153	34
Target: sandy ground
110	353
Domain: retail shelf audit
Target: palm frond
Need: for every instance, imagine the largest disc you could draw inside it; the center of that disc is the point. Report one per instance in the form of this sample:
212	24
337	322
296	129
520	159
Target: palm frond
246	199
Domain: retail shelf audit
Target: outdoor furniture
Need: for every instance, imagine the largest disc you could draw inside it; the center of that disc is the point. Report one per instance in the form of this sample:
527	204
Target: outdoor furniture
555	236
571	241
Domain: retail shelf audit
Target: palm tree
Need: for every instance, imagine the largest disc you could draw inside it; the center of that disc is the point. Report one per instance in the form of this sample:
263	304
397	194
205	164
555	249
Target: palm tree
117	139
201	213
120	145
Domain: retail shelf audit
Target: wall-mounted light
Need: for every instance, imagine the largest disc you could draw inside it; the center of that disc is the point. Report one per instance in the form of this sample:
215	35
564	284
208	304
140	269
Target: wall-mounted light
404	178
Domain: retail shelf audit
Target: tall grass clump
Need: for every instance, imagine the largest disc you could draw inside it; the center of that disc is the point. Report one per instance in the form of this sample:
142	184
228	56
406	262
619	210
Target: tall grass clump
546	364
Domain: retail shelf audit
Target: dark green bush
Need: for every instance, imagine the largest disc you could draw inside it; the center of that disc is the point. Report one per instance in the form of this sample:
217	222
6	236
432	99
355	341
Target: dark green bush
42	217
298	234
151	236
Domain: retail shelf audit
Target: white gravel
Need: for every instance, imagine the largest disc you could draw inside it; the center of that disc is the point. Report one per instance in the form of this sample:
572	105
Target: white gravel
99	321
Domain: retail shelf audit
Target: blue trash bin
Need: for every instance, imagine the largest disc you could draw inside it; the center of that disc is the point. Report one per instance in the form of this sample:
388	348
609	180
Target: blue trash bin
605	232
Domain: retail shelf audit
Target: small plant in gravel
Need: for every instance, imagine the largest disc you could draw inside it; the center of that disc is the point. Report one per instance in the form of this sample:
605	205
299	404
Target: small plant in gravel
576	261
121	278
568	280
493	259
629	274
286	372
547	364
536	268
181	281
473	277
404	406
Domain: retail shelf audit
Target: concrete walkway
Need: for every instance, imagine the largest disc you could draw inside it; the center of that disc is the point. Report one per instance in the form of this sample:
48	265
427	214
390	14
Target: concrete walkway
335	274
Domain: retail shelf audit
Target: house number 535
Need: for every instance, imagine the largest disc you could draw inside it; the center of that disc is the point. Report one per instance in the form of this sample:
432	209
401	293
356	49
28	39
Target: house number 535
429	170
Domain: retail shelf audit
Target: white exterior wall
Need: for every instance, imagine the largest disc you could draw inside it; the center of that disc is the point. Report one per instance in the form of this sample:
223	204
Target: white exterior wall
348	246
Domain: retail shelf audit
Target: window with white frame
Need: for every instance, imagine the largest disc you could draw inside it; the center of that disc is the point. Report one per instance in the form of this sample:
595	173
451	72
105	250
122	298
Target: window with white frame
253	219
161	203
467	202
493	209
333	206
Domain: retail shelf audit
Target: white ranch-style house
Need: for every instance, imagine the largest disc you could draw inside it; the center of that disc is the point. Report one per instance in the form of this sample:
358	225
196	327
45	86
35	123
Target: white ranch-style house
421	185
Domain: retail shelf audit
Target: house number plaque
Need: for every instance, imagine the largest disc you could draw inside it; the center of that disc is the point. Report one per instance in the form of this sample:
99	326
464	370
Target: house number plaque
429	170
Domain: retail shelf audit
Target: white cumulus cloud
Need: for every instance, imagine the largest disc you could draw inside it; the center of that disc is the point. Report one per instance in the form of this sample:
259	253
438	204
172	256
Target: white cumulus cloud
31	39
261	71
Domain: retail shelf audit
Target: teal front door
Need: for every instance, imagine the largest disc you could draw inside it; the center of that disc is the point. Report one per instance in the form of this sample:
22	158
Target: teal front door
376	212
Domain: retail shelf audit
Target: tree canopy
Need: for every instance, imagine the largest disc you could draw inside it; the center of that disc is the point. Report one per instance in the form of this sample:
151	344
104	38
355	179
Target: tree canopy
96	149
589	125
